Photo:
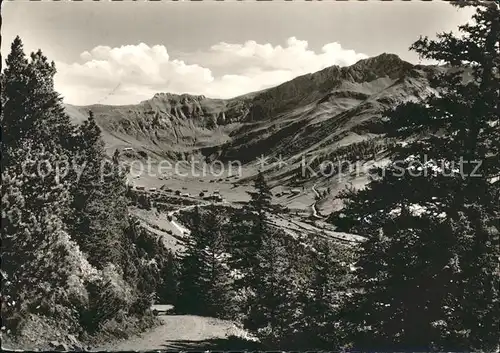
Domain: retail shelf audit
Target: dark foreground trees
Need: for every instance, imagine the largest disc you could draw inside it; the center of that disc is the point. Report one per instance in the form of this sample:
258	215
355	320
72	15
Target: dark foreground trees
428	277
243	267
34	200
69	249
204	280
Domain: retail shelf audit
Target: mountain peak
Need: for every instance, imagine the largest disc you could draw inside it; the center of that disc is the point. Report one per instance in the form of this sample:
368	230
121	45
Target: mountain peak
385	64
381	58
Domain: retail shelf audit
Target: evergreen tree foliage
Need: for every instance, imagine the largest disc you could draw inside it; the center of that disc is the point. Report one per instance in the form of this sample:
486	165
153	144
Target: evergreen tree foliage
218	294
260	198
31	108
272	300
15	118
148	264
54	217
250	229
326	290
103	305
99	203
204	280
34	197
190	298
428	275
167	291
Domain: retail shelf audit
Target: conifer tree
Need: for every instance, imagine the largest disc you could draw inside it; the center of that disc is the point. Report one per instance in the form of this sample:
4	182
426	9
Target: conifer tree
31	107
190	297
168	289
15	118
100	215
270	303
260	198
44	207
218	293
204	282
250	229
34	197
325	292
428	275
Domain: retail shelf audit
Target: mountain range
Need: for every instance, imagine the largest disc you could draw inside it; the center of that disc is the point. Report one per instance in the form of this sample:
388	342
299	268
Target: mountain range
317	112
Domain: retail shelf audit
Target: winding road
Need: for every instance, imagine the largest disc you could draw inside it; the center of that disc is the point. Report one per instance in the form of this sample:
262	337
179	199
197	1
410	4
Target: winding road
181	228
313	206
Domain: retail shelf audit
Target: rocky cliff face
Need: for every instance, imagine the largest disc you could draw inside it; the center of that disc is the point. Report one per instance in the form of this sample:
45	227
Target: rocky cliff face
307	112
205	112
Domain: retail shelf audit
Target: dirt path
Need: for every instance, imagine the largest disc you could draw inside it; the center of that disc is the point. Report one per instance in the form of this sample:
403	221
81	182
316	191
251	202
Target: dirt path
177	332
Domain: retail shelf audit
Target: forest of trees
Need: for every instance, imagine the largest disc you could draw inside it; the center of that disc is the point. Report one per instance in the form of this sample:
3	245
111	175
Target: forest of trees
70	250
426	278
238	266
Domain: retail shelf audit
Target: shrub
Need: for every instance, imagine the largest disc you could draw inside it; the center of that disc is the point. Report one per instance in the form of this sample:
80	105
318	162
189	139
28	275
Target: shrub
104	304
141	305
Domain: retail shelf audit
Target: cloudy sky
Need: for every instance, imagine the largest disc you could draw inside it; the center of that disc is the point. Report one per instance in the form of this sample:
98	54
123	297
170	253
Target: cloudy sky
125	52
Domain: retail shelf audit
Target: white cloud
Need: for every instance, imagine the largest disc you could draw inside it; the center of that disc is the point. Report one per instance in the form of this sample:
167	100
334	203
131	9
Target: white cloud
295	57
131	73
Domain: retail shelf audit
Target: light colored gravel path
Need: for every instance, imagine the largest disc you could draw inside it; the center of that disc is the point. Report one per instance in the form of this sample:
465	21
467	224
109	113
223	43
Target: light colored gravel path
175	329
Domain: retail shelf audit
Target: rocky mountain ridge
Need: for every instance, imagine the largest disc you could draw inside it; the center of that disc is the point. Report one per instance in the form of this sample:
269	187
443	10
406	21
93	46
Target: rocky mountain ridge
309	111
